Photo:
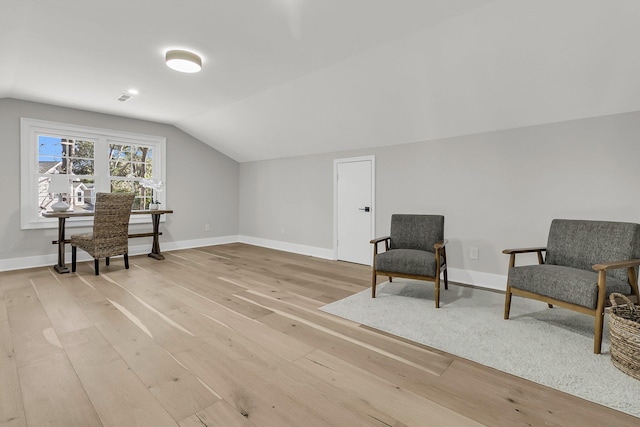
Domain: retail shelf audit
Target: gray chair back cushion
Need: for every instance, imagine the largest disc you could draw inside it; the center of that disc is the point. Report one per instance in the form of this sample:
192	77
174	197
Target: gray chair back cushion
419	232
581	244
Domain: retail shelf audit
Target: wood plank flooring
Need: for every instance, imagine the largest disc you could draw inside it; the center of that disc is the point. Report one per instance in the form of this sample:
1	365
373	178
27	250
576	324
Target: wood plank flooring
232	335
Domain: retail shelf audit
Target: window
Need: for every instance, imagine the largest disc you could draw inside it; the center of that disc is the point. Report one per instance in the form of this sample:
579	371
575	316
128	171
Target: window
95	160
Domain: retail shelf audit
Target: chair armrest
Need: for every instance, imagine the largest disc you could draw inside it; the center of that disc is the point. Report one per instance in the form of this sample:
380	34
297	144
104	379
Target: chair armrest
616	264
512	254
523	250
441	244
379	239
385	239
441	253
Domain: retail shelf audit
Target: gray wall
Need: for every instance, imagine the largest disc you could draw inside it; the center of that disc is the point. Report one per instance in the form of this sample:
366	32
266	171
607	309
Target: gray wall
202	184
497	190
288	200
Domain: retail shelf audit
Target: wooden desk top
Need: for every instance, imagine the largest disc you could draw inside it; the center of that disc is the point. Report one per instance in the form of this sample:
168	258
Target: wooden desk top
69	214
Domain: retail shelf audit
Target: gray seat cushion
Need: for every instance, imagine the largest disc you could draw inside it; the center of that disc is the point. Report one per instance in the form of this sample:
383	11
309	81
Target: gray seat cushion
407	261
568	284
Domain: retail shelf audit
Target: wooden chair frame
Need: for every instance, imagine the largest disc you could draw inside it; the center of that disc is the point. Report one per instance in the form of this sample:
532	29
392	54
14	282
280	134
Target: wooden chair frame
597	313
441	267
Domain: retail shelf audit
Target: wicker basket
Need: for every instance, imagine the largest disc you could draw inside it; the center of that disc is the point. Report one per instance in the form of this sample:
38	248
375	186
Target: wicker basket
624	329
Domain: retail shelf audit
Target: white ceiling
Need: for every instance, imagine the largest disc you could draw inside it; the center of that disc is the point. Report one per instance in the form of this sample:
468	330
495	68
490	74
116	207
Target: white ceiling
283	78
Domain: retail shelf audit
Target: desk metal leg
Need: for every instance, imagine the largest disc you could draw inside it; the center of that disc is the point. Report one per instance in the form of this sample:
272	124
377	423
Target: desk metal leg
61	267
155	248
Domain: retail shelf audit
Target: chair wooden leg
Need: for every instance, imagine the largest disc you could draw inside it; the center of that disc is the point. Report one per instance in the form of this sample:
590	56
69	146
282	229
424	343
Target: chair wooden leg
390	279
373	283
96	266
507	295
437	286
106	260
633	281
126	261
507	302
597	339
446	277
599	322
73	259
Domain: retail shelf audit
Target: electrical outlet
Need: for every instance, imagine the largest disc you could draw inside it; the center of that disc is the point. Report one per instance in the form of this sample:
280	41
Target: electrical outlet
207	227
473	252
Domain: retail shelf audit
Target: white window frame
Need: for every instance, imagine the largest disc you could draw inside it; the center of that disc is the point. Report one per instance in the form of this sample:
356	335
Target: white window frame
30	129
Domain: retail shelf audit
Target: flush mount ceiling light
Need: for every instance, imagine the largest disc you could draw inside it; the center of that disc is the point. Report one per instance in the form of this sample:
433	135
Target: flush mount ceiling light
183	61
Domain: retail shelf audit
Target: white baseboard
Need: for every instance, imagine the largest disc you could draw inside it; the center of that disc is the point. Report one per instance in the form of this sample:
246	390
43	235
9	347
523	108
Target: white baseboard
469	277
28	262
288	247
52	259
187	244
478	278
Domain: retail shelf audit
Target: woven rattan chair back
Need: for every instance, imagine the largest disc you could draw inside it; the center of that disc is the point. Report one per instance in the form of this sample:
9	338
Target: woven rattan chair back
110	235
111	224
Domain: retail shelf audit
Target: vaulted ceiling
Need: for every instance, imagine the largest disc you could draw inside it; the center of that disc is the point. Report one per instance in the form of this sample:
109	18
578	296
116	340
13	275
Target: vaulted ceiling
284	78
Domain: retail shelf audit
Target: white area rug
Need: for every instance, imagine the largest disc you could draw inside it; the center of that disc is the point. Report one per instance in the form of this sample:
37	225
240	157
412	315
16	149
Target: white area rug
553	347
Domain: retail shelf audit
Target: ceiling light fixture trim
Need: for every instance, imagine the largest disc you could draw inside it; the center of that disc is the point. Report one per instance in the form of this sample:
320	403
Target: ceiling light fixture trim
183	61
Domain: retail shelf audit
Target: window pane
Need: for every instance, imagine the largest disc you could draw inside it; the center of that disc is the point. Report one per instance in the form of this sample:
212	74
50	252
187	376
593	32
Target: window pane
119	152
120	160
45	199
143	195
139	204
119	168
82	198
81	159
148	169
48	164
64	154
121	186
50	154
140	190
141	170
49	145
82	167
141	154
141	162
84	195
82	149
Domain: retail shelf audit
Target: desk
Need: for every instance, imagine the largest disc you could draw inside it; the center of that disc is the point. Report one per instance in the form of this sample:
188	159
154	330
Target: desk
155	253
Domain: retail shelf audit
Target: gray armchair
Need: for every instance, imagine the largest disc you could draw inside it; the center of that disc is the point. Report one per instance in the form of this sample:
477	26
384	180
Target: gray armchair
415	249
585	262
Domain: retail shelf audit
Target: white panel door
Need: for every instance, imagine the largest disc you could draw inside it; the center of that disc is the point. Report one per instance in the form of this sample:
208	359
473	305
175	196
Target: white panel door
354	228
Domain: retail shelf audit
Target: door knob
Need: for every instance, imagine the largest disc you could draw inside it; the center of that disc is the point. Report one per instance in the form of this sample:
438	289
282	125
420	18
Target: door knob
366	209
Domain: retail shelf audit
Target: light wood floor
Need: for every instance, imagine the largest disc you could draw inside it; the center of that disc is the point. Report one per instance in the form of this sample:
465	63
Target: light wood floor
230	336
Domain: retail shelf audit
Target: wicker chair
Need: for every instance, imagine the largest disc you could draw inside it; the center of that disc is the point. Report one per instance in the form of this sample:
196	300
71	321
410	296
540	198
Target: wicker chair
110	235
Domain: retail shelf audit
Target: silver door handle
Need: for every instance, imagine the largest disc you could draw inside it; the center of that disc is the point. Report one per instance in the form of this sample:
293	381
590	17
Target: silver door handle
366	209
